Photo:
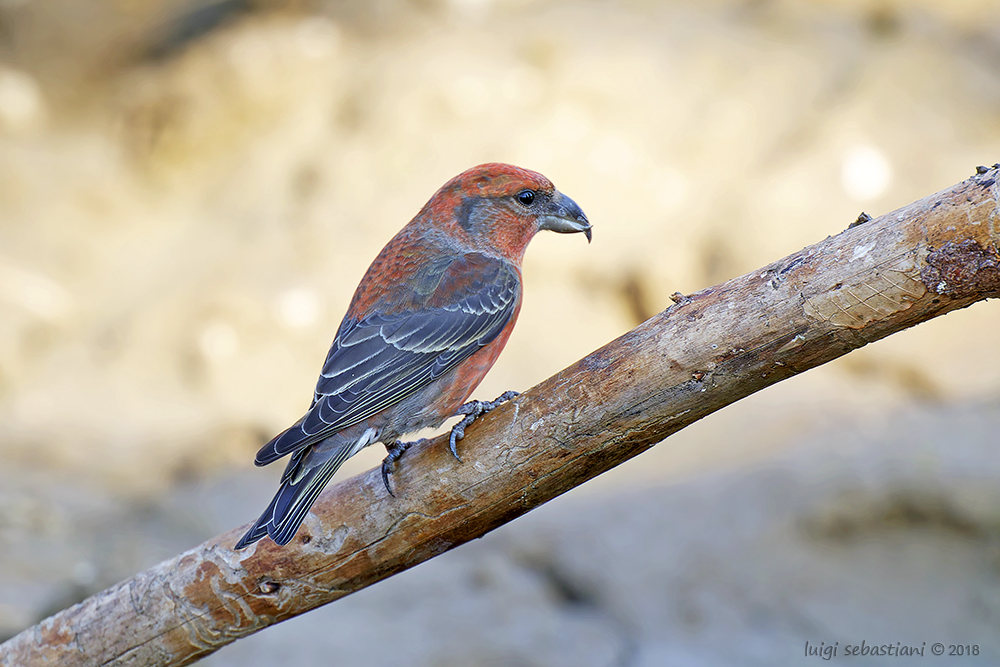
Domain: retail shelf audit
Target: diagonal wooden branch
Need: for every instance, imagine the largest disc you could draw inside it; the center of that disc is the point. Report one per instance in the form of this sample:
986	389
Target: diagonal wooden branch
707	351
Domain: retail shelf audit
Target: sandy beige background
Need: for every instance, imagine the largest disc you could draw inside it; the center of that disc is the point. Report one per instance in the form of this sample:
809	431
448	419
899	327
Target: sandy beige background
189	193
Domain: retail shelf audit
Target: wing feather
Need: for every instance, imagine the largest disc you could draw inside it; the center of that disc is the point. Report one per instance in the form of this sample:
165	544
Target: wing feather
381	359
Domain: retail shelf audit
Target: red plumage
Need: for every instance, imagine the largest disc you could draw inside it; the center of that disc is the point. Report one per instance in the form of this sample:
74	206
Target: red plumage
427	322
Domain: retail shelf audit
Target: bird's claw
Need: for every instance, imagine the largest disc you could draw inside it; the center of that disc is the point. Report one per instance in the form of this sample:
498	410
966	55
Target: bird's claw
473	410
393	454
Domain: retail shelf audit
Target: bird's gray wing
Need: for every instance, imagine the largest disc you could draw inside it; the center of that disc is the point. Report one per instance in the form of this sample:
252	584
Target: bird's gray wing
384	357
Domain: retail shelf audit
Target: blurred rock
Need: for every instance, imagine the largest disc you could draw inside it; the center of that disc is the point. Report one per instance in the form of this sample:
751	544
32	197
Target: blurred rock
62	538
21	106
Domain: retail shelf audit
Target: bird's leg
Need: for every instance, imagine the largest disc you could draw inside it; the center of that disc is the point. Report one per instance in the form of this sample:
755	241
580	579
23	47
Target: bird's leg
393	454
472	410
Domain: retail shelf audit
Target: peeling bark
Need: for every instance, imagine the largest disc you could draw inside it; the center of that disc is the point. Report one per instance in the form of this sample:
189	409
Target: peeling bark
703	353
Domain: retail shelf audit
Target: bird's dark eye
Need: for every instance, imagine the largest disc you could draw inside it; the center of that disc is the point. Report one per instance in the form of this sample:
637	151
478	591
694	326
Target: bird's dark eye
526	197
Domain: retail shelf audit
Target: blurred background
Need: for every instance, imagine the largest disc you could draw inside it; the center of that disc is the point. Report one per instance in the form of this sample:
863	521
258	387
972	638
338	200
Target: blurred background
191	190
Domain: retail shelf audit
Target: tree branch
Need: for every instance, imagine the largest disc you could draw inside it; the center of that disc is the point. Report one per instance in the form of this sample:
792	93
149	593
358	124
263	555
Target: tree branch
701	354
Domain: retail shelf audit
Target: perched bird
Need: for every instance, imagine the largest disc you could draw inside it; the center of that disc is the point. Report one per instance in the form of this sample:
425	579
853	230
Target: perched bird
431	315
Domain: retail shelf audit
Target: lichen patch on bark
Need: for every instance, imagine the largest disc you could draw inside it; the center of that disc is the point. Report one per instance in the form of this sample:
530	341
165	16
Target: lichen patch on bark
960	269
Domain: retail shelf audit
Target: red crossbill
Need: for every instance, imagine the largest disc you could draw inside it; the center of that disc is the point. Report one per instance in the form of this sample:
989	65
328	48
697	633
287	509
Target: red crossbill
429	319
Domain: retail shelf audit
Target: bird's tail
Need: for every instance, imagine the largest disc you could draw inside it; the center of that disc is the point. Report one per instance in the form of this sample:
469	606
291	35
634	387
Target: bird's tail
301	485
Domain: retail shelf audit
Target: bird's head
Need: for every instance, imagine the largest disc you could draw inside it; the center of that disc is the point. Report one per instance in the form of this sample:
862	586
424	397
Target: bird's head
499	208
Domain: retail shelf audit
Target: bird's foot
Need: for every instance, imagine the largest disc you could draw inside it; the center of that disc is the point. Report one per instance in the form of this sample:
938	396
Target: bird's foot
393	454
472	410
